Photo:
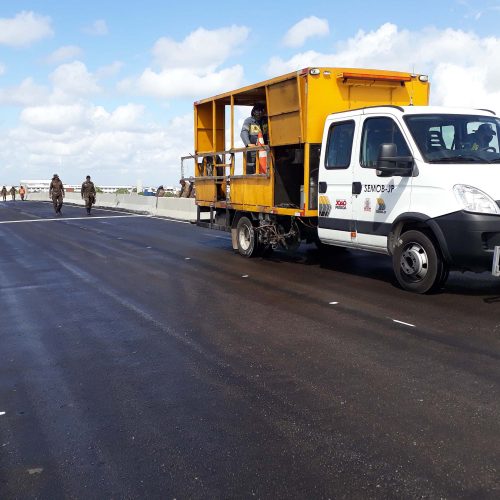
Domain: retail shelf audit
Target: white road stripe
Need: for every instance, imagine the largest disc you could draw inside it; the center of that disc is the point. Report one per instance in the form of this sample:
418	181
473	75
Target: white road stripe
217	236
333	303
403	323
72	218
170	220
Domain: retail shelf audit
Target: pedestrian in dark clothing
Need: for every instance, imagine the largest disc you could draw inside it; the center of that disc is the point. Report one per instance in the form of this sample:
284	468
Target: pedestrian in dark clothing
88	193
4	193
56	193
13	193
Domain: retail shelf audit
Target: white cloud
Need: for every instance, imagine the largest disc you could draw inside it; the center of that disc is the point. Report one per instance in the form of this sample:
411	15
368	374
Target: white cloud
54	118
306	28
115	146
439	53
24	29
191	68
27	93
201	50
73	80
97	28
183	82
64	53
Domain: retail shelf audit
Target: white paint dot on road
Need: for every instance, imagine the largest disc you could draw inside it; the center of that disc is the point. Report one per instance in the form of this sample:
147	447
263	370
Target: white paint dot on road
35	470
148	247
245	276
403	323
187	258
2	413
333	303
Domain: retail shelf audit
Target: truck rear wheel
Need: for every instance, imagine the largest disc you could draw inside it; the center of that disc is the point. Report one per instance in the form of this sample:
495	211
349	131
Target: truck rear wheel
417	263
246	238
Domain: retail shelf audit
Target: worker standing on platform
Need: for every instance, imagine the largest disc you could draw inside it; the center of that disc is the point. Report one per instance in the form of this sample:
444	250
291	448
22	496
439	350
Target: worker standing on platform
56	193
13	193
88	193
253	126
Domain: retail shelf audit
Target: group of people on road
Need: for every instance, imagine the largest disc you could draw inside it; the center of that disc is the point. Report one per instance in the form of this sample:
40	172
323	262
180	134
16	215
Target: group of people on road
12	191
57	193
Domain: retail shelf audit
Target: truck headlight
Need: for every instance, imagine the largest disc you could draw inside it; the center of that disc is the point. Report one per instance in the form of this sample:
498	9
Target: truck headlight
475	200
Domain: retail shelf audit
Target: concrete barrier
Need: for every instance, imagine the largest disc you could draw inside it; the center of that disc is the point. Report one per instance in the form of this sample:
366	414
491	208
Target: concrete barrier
176	208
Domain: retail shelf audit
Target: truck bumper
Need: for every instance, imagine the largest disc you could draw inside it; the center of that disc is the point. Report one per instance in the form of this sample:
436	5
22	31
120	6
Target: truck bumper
470	239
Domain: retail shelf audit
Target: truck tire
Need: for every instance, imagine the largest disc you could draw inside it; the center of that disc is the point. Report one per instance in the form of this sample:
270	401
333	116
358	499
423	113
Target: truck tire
417	263
246	238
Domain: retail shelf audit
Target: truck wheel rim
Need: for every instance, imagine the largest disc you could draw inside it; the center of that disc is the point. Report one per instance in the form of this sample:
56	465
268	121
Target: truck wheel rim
414	262
245	238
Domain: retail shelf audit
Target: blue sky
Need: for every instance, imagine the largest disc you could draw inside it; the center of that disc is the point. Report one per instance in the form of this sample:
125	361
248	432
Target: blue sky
107	87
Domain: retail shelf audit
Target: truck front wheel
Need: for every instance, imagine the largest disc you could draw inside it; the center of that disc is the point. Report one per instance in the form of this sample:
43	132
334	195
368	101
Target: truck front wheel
246	238
417	263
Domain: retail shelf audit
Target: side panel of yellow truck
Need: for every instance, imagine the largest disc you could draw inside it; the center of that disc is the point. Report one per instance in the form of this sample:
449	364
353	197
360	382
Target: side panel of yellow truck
205	190
254	190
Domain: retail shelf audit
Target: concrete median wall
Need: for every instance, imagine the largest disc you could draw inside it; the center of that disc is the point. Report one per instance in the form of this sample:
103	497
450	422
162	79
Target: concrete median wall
176	208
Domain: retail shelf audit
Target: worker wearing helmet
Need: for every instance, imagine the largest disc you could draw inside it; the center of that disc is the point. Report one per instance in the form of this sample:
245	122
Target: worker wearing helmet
254	124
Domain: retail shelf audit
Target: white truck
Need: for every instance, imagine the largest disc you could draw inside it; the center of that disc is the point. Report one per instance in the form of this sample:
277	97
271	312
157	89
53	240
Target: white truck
421	184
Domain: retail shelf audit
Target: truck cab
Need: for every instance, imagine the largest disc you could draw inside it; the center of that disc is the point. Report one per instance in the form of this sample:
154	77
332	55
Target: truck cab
421	184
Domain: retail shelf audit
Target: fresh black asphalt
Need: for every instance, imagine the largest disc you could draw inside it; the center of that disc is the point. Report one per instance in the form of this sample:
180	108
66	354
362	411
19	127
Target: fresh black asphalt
143	358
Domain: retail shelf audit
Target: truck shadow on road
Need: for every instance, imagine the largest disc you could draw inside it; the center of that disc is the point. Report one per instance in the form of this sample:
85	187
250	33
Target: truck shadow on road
379	267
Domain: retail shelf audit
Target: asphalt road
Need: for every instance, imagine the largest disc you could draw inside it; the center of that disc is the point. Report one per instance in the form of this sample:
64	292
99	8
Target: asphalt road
142	358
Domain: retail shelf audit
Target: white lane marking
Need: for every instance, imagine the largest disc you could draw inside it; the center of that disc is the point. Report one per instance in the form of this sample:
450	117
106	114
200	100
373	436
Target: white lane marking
187	258
2	413
333	303
245	276
72	218
403	323
170	220
217	236
148	247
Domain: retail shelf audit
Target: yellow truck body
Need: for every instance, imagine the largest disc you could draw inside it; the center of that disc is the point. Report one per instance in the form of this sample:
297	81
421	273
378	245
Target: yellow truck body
297	105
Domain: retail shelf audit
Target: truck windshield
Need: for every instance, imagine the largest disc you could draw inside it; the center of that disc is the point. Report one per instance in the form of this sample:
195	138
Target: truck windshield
443	138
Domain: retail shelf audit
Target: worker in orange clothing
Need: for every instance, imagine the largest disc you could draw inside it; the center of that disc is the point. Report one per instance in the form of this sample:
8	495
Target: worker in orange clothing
22	192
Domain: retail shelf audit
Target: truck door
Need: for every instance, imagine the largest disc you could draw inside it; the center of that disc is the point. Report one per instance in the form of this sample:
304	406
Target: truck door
335	210
381	199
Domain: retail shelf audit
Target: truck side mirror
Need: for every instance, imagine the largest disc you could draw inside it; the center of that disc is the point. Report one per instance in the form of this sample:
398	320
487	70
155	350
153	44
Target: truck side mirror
390	164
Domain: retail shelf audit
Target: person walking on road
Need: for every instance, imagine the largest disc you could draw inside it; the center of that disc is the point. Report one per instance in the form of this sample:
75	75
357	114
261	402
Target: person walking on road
4	193
13	193
56	193
88	193
22	192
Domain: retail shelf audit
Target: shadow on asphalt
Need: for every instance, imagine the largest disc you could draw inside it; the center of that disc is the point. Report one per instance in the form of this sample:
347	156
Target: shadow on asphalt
379	267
